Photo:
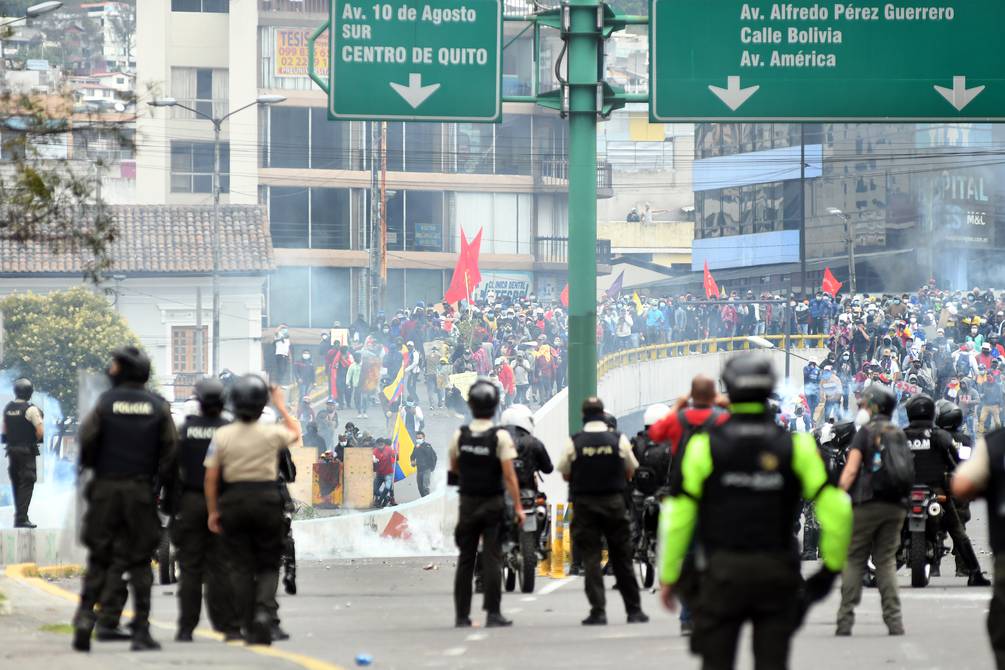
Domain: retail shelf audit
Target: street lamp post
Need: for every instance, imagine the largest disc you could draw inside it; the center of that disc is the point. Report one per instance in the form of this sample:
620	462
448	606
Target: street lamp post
215	241
34	11
850	241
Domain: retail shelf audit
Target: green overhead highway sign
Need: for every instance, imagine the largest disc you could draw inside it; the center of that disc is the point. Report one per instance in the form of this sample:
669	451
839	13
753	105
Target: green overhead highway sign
728	60
416	60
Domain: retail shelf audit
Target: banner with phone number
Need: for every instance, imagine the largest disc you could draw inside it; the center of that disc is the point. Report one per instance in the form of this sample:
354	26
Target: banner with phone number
290	57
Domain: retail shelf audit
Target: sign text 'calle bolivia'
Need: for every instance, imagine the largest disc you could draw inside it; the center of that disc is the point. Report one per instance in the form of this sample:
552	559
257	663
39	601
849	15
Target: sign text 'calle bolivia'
903	60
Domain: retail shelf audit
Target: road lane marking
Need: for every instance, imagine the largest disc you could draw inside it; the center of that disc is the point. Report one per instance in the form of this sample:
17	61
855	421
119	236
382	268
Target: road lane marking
19	573
455	651
477	637
554	586
528	599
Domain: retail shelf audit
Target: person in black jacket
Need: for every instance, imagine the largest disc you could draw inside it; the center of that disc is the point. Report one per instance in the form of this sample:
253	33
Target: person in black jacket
22	431
935	457
532	456
127	441
200	553
423	459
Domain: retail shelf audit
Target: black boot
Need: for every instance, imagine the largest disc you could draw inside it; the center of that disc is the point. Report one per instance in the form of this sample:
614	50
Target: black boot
112	634
497	620
261	630
278	633
83	626
142	640
977	578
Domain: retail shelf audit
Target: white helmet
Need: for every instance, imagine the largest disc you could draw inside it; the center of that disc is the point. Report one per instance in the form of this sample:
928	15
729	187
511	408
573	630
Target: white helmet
519	416
654	413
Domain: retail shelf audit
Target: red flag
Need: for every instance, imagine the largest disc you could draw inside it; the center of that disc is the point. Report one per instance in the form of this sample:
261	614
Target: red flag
711	288
564	297
466	274
831	285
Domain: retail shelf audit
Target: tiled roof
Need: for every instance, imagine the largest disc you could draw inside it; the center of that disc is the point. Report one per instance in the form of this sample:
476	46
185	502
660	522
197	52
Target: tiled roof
161	239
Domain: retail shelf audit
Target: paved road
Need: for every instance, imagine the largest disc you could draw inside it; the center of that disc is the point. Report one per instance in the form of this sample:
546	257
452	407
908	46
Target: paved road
400	611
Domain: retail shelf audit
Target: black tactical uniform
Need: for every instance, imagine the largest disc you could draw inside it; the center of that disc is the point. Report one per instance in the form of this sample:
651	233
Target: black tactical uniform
654	460
985	472
532	457
597	463
935	457
200	552
127	440
21	442
477	453
741	488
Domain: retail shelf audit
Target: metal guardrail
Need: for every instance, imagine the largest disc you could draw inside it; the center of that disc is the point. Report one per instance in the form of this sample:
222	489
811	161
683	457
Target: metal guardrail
657	352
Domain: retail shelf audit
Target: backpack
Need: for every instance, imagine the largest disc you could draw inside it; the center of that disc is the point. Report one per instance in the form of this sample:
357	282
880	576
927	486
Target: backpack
890	461
963	365
687	431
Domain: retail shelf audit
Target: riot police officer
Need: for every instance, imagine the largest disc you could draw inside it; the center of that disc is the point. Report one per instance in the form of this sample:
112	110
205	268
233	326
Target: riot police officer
653	472
22	431
481	457
984	474
742	483
532	456
127	441
949	417
244	456
935	457
200	552
598	463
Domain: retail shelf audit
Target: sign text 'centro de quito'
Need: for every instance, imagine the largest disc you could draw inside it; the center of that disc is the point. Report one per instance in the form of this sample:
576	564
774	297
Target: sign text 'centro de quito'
725	60
422	60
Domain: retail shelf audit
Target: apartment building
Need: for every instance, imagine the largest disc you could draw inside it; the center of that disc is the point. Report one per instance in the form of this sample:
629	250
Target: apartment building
314	175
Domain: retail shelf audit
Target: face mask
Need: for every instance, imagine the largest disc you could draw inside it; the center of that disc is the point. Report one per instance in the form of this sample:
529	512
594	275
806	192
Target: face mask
861	418
306	356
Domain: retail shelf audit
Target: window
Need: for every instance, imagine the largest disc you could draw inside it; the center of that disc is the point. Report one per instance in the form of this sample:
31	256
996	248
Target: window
474	148
206	6
289	296
289	133
184	357
202	89
310	218
513	146
192	167
288	216
310	297
423	152
331	147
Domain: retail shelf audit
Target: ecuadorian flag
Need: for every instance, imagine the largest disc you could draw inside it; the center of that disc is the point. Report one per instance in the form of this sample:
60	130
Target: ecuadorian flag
403	446
393	390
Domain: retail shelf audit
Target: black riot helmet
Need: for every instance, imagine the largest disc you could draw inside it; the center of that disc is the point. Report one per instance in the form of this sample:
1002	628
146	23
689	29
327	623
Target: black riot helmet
748	378
209	392
129	366
249	396
611	421
948	416
483	399
878	400
23	388
920	407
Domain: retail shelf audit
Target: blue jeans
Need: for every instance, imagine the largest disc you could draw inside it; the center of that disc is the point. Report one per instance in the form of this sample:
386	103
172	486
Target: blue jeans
832	407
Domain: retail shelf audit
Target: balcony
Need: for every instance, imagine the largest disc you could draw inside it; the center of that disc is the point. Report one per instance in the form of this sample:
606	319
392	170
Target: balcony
304	7
555	172
555	250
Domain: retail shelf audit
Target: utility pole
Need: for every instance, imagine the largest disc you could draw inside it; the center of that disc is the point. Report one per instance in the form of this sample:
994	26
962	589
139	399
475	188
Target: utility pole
582	22
377	265
802	210
850	231
215	240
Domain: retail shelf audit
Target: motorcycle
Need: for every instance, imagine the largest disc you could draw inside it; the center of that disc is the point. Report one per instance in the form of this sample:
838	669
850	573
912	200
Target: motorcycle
921	544
525	546
646	513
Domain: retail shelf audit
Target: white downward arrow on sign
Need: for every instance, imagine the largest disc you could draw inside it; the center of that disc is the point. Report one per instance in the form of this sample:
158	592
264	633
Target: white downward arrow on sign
415	93
733	95
959	96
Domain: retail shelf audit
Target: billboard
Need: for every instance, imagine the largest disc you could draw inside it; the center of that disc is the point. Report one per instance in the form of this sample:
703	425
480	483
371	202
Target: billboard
290	52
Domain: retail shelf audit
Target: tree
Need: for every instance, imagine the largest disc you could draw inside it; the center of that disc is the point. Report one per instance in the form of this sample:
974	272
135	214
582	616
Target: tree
52	338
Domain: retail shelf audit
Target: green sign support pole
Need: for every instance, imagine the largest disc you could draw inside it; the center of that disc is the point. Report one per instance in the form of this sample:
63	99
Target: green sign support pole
582	29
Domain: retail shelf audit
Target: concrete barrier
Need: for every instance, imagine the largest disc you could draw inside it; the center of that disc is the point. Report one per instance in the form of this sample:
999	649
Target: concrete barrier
45	546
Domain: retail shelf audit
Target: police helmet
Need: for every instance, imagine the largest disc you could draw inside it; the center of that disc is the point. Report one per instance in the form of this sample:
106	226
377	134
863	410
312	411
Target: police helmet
654	413
209	392
610	420
948	415
133	366
879	400
748	378
920	407
483	398
23	388
519	416
249	396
